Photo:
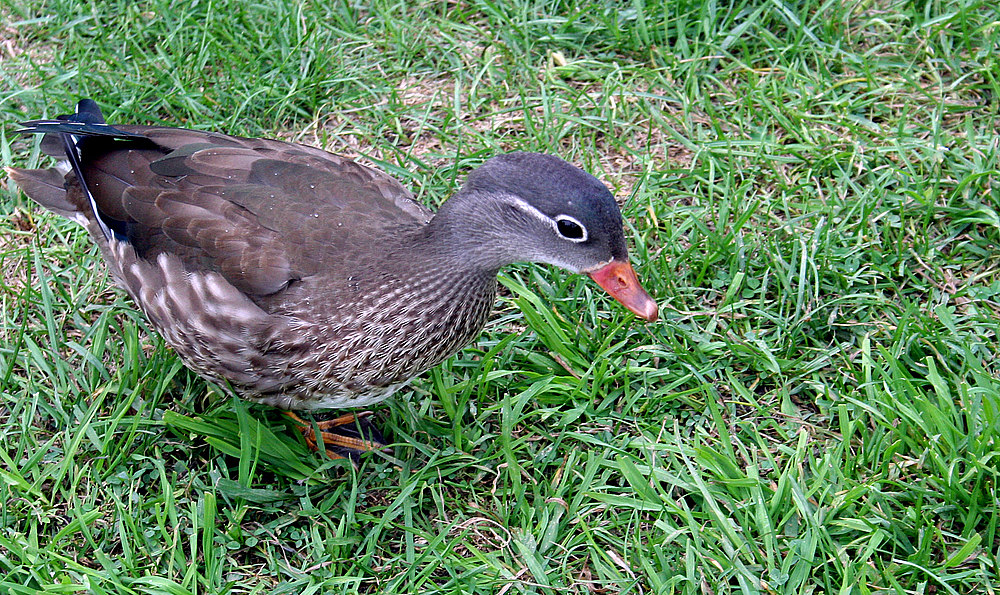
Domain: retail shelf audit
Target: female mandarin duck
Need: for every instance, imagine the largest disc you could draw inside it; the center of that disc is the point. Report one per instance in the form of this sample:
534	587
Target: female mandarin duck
303	279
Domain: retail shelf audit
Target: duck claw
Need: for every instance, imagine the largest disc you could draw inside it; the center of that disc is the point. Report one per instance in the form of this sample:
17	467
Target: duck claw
355	434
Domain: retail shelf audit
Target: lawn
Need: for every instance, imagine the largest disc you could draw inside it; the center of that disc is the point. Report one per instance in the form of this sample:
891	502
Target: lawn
811	192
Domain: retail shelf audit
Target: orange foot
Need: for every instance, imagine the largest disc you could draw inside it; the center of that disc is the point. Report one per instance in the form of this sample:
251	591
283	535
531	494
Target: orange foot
356	435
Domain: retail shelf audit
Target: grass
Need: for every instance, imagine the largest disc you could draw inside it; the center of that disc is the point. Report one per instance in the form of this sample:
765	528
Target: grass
811	192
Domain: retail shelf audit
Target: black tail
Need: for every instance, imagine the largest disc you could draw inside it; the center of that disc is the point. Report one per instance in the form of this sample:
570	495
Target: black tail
71	131
86	121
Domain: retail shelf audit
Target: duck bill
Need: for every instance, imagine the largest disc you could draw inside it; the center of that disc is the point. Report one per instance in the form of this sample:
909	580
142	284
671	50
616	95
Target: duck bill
618	279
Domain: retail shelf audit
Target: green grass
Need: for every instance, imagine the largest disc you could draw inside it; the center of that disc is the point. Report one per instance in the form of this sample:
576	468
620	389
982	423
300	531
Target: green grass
812	194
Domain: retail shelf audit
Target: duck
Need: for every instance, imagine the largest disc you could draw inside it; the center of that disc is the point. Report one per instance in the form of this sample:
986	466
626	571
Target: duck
302	279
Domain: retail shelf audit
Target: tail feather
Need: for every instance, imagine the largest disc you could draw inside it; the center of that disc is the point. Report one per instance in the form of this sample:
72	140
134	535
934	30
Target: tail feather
67	135
47	188
74	128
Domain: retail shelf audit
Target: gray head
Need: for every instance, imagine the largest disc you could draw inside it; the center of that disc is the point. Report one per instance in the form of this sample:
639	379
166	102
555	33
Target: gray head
538	208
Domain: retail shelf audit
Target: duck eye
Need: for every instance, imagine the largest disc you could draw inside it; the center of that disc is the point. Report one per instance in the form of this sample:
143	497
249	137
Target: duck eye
570	229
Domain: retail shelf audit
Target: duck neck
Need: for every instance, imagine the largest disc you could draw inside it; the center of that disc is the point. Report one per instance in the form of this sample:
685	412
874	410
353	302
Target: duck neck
465	234
451	249
432	269
433	263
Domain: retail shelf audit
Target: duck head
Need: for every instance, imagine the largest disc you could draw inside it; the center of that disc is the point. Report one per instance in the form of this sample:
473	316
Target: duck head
535	207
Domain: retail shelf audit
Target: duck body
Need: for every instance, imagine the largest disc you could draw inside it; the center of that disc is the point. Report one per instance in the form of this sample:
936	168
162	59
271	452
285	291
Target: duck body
304	279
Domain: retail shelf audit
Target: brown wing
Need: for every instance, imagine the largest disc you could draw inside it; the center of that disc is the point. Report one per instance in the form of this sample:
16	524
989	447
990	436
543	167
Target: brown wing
261	213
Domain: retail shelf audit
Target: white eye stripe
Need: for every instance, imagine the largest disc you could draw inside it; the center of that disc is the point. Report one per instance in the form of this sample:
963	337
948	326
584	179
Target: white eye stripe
527	208
553	222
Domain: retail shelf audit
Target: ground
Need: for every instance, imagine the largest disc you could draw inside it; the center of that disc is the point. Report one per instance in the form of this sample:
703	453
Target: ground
810	191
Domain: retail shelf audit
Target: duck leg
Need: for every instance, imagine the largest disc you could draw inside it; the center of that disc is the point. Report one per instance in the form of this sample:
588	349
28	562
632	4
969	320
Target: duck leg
346	436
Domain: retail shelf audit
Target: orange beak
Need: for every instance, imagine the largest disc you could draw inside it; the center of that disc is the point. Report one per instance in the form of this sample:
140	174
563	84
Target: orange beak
618	279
